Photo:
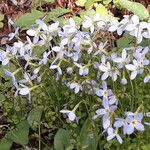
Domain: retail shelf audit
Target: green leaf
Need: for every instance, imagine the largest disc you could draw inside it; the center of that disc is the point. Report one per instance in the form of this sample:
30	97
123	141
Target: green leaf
62	140
146	147
61	21
77	19
20	134
1	17
88	137
89	13
2	74
89	4
55	13
101	10
34	117
5	144
28	19
1	24
50	1
37	3
125	41
80	3
137	8
106	2
38	50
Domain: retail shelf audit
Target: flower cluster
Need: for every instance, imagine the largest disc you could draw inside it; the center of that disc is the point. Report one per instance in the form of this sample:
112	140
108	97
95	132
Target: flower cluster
130	123
72	51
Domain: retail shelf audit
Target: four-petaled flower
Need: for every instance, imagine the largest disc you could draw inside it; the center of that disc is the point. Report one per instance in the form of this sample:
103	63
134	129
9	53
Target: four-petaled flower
134	122
104	91
105	113
113	133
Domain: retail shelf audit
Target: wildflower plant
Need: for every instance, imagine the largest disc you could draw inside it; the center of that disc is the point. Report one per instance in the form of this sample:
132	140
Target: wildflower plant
71	55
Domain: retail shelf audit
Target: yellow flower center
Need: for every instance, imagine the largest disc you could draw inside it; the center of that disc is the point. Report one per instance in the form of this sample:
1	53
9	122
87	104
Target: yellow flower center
104	92
134	122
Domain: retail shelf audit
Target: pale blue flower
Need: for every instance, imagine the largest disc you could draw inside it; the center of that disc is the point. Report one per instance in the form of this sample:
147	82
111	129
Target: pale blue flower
141	52
77	87
112	99
113	133
104	91
134	122
120	122
105	113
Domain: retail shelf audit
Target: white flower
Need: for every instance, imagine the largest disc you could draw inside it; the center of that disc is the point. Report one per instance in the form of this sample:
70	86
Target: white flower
20	46
71	115
45	58
71	28
41	24
59	71
136	67
36	70
54	28
122	61
124	81
89	22
56	48
146	33
114	24
25	91
141	52
100	48
4	57
69	70
45	40
83	70
108	71
60	53
147	79
12	35
35	33
28	78
136	28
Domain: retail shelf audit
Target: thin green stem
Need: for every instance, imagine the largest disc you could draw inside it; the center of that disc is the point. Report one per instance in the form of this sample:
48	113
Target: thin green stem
39	137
